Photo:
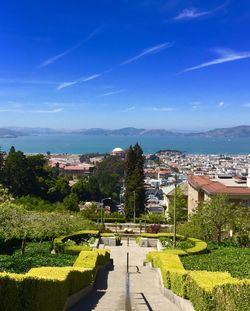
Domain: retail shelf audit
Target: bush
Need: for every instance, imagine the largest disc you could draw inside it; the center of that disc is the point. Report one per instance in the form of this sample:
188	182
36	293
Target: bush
200	246
47	288
200	284
59	243
165	263
233	296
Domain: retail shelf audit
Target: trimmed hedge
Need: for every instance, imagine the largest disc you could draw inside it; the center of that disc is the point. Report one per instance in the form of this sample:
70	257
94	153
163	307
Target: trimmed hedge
200	246
200	285
47	288
233	296
165	263
75	249
206	290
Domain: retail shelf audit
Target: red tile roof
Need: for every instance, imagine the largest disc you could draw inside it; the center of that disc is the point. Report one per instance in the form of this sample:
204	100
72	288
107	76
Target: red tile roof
215	187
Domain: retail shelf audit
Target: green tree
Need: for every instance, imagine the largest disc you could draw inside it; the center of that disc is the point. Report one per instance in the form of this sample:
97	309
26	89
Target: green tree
17	176
110	173
214	216
181	207
59	189
134	182
71	203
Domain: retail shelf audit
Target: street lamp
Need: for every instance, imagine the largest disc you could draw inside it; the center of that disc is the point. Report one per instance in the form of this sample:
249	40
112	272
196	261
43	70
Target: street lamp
134	206
174	233
102	208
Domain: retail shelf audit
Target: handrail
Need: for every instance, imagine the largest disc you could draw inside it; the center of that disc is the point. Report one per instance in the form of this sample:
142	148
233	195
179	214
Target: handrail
127	288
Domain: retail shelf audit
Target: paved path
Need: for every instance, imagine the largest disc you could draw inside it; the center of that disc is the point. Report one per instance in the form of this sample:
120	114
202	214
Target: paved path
110	286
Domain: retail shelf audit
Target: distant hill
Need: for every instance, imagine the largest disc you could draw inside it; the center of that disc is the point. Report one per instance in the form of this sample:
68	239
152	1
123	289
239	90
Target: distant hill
232	132
5	133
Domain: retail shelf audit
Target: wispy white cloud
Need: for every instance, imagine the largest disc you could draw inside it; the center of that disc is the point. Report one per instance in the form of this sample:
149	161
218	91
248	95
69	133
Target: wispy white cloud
14	110
191	14
64	85
152	50
220	104
92	77
160	109
53	59
225	57
194	13
111	93
129	109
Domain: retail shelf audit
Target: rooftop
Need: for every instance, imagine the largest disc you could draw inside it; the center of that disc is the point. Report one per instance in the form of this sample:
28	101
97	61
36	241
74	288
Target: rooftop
216	186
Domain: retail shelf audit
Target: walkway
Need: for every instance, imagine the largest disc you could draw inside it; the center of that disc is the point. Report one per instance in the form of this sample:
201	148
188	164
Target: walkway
110	286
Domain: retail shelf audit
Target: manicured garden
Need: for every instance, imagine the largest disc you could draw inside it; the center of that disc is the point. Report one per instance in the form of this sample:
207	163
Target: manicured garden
36	255
234	260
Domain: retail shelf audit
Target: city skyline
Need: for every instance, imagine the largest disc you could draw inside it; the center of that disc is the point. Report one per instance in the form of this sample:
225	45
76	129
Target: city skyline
112	64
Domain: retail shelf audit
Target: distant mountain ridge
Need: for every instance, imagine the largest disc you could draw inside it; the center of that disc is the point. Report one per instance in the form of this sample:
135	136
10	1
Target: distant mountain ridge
232	132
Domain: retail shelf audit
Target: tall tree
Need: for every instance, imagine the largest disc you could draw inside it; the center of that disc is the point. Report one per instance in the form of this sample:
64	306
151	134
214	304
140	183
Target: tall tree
17	175
134	182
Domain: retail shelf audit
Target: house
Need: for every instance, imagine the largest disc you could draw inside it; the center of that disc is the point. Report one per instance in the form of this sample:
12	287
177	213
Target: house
202	188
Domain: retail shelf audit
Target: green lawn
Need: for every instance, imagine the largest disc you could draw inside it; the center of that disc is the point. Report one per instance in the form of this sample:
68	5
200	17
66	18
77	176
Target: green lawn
232	259
36	255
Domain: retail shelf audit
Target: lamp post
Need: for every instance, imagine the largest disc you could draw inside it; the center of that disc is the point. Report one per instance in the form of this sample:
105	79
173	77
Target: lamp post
174	233
102	208
134	206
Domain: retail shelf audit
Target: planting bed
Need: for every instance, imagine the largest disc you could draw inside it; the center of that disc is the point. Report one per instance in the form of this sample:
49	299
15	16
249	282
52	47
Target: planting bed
234	260
36	255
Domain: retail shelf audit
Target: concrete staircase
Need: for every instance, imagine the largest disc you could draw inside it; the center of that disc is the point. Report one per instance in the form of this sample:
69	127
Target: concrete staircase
109	292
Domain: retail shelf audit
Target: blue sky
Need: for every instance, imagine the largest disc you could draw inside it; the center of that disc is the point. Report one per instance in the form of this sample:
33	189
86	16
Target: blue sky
173	64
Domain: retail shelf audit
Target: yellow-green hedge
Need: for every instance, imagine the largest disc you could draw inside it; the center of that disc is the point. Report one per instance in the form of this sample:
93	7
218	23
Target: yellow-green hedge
200	285
165	263
233	296
217	291
47	288
199	247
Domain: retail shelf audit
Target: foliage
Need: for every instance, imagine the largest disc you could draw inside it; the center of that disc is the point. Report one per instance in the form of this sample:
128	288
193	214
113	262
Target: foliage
200	284
71	203
109	174
78	237
212	217
181	207
47	288
36	255
32	203
231	259
134	182
59	189
206	290
17	223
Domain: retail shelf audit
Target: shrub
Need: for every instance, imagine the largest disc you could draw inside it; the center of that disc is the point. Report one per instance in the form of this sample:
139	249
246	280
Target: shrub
200	246
165	263
47	288
59	243
233	296
199	286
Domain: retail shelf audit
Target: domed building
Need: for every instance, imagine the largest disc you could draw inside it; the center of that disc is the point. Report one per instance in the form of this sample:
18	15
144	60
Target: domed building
118	152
